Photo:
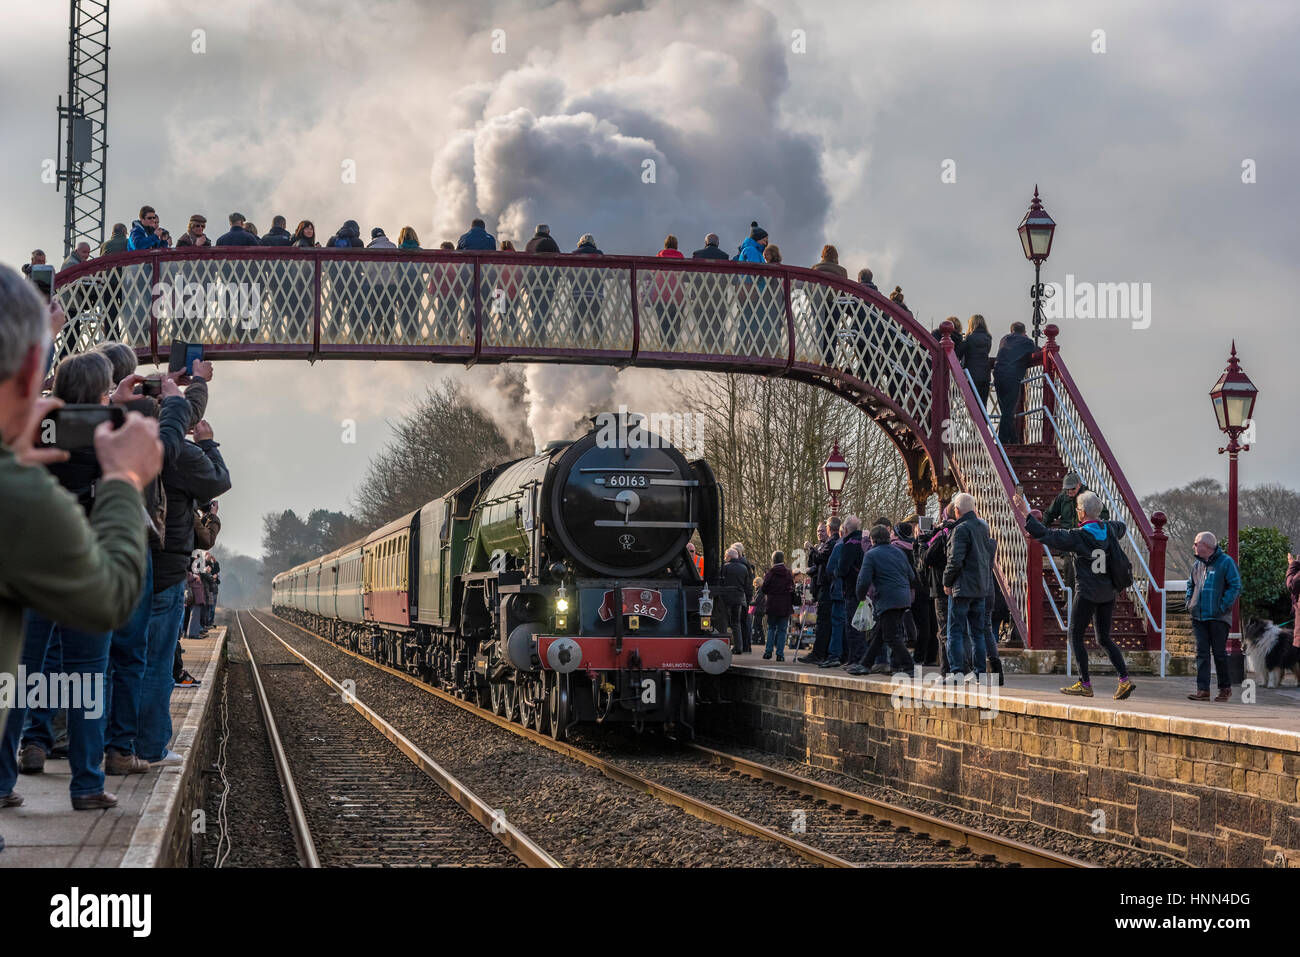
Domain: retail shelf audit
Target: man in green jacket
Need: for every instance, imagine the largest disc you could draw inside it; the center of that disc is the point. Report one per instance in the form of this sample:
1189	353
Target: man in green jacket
83	573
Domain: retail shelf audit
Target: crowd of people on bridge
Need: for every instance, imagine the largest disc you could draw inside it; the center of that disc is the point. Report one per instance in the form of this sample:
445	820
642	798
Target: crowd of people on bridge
102	545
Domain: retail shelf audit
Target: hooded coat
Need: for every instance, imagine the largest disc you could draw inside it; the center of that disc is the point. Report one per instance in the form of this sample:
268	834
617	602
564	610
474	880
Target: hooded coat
348	236
477	238
778	586
1083	543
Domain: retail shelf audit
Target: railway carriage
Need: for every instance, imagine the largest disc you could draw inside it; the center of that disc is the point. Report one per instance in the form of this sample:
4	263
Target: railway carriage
555	589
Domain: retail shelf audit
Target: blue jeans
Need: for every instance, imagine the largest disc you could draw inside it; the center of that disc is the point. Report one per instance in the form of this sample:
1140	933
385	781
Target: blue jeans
155	699
838	622
85	657
40	727
776	629
126	661
966	633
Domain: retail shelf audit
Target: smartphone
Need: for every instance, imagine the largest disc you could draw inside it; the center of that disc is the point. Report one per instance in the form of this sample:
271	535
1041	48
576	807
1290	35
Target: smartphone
73	426
151	386
182	356
43	278
925	523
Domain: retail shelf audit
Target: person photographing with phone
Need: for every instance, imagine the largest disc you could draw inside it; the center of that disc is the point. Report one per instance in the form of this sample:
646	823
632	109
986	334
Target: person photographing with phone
1095	545
83	570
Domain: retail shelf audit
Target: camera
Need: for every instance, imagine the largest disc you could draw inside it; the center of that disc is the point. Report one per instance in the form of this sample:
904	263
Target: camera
73	426
151	386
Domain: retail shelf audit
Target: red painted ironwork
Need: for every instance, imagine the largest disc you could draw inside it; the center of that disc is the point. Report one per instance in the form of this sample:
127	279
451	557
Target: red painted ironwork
1156	559
656	653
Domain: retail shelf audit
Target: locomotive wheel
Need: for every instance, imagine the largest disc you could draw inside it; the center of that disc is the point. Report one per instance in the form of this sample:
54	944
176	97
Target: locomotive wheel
529	705
542	708
513	695
558	700
497	697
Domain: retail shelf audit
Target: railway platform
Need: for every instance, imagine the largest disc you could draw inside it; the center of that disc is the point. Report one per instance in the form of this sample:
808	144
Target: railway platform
153	822
1205	783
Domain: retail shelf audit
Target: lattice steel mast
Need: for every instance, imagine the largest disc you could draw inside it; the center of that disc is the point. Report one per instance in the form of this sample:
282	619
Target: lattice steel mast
83	125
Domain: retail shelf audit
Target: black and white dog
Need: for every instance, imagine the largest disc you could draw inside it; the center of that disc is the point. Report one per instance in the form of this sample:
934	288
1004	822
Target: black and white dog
1269	651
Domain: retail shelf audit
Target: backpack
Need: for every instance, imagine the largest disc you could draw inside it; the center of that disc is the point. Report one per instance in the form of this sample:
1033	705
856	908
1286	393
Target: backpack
1119	569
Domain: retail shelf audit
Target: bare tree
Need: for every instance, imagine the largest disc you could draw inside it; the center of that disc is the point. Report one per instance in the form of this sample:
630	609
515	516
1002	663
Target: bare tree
444	440
767	439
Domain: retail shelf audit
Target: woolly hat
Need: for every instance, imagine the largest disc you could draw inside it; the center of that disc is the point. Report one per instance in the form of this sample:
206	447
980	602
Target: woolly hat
757	232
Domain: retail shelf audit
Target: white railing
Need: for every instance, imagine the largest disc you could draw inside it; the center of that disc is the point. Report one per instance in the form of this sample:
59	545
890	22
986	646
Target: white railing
972	458
1079	452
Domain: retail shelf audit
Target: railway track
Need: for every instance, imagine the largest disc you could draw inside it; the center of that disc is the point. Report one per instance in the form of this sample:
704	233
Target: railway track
354	799
822	824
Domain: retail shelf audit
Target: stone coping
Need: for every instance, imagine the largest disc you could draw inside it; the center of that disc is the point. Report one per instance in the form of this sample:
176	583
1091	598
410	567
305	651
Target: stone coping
150	841
1013	701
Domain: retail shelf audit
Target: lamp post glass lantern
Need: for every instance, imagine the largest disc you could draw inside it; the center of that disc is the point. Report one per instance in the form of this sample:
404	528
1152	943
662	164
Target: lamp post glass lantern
836	471
1233	397
1036	230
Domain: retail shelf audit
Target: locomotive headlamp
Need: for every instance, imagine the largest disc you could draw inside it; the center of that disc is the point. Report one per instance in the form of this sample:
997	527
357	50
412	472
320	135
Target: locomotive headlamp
706	608
561	608
633	622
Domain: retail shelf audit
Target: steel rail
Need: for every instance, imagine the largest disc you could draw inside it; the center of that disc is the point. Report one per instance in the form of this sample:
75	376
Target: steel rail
293	805
692	806
1004	849
980	842
502	830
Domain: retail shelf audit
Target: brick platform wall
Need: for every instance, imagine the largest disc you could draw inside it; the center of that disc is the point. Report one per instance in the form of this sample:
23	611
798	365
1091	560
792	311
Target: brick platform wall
1161	784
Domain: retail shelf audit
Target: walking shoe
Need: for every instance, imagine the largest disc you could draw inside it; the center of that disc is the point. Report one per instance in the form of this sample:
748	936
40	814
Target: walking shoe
1124	690
855	669
12	799
880	669
94	802
116	762
31	760
780	658
767	656
830	663
169	758
187	680
1199	696
810	660
1225	694
1078	688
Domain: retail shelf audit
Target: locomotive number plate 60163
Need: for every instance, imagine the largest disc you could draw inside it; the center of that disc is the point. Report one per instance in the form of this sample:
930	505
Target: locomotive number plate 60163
627	481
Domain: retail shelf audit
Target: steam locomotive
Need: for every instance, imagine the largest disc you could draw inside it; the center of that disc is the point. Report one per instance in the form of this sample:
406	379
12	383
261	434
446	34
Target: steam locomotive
555	589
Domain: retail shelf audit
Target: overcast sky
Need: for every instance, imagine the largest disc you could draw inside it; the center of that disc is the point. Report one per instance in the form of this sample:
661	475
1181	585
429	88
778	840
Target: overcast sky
824	121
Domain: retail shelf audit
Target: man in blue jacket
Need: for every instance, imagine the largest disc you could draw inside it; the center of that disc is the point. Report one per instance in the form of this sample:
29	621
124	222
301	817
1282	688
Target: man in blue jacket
890	573
845	561
478	238
1212	589
145	233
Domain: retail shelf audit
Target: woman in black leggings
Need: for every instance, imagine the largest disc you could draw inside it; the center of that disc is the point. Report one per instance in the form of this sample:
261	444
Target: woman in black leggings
1094	595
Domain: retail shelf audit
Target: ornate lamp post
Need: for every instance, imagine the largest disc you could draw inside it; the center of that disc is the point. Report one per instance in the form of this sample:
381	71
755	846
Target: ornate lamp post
1234	404
836	471
1036	231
